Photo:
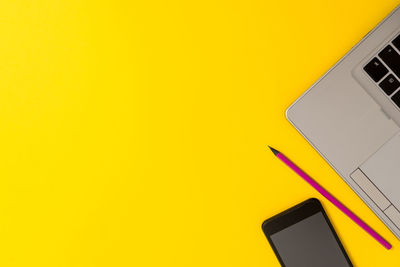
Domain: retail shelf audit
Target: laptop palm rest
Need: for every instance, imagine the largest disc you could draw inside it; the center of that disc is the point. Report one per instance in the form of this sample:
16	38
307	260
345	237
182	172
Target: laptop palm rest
382	170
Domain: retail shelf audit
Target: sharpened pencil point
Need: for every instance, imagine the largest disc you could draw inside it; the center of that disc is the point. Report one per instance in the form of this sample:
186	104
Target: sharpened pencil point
276	152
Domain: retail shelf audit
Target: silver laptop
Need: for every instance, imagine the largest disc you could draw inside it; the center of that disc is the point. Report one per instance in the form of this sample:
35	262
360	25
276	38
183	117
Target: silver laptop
352	117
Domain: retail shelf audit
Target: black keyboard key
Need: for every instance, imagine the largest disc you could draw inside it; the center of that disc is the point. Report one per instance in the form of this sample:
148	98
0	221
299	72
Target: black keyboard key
375	69
396	98
389	84
396	42
391	58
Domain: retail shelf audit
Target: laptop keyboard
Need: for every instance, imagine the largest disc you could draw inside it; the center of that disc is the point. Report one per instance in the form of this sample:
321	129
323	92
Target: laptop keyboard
384	69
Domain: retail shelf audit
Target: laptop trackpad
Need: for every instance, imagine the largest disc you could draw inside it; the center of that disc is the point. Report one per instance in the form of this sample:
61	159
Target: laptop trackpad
383	169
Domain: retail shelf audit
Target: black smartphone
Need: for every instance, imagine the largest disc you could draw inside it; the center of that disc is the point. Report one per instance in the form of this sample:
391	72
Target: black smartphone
303	236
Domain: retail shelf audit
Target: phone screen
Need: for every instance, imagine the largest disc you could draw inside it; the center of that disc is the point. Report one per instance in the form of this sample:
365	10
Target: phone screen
309	242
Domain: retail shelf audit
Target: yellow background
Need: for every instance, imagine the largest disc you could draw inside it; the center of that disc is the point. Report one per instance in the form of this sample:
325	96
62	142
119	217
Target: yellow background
134	133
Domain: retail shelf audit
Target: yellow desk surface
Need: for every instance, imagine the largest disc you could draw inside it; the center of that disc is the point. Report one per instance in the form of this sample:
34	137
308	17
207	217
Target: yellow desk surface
134	133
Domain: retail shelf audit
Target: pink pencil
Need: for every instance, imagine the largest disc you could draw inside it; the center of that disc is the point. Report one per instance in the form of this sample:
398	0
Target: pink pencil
331	198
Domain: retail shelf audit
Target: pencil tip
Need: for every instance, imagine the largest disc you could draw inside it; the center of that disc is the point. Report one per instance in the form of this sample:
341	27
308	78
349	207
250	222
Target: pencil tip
276	152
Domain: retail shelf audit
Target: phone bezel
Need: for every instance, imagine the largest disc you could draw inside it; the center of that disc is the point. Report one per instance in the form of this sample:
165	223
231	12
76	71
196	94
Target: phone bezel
294	215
